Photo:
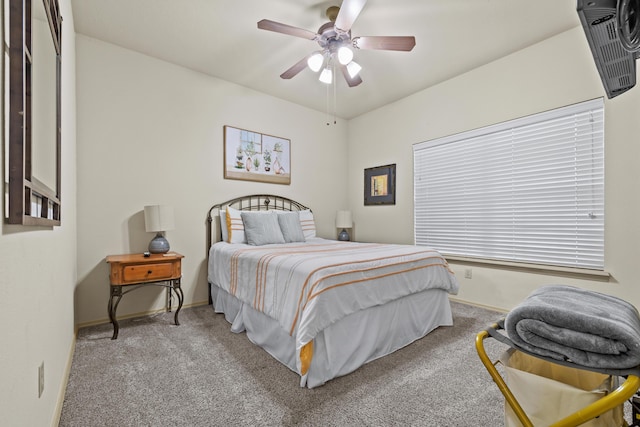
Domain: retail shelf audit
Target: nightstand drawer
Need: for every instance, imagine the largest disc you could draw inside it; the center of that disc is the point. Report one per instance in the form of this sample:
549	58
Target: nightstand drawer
147	272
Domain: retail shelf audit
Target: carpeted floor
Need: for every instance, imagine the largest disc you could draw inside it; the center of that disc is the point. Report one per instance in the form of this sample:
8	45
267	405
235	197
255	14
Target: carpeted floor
202	374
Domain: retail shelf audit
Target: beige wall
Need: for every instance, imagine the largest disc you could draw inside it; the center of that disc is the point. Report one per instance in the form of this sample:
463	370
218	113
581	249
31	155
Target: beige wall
556	72
151	132
37	278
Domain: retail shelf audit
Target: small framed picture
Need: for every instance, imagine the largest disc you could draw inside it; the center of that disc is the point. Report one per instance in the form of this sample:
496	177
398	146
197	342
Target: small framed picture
380	185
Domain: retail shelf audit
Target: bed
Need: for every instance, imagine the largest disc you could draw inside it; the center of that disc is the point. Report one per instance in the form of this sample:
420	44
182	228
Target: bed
321	307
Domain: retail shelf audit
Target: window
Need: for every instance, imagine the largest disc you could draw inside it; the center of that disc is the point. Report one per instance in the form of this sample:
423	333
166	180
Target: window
529	190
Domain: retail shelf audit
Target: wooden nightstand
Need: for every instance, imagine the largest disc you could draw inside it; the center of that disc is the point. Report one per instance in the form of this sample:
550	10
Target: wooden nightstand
136	270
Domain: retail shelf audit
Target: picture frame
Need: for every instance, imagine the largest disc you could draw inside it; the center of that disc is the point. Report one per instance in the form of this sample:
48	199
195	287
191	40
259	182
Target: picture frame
380	185
254	156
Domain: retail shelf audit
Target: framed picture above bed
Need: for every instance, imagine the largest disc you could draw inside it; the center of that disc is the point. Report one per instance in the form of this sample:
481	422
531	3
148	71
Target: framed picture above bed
380	185
253	156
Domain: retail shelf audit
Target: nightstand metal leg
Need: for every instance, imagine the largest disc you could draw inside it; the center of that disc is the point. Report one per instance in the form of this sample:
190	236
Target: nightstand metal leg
116	292
176	287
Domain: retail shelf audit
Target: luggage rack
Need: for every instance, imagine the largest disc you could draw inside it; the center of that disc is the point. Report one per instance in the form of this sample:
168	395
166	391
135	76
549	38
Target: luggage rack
617	397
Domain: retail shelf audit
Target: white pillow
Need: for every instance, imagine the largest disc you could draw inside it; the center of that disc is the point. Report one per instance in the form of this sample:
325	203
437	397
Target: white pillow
307	223
261	229
235	226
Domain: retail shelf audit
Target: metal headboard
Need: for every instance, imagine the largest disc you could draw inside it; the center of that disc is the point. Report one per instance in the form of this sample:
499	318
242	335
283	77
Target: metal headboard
256	202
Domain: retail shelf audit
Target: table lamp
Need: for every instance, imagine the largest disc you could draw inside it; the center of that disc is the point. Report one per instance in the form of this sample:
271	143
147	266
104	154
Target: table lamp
344	221
158	219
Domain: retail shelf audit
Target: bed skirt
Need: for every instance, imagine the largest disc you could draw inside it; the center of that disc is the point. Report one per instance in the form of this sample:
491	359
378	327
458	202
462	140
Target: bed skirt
347	344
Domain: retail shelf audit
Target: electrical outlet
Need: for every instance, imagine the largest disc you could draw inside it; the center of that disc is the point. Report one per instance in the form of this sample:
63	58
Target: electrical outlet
40	379
467	273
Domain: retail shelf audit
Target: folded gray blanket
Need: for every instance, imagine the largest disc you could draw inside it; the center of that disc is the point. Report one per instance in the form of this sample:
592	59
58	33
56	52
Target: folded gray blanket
576	325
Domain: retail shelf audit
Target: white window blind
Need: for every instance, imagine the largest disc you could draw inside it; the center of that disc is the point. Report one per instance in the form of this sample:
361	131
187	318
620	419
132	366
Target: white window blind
528	190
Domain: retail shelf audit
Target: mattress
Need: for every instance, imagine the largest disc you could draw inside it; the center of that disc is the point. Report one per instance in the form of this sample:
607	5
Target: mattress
324	308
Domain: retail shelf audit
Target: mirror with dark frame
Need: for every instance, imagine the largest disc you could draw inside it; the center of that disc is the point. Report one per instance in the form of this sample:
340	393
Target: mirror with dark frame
34	120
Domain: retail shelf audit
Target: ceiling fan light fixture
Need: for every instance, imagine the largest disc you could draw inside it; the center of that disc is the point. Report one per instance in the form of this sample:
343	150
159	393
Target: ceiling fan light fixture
337	46
345	55
315	62
326	76
353	68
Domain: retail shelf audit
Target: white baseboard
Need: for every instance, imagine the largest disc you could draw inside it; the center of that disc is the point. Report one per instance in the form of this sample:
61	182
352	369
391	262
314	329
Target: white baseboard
488	307
139	314
65	381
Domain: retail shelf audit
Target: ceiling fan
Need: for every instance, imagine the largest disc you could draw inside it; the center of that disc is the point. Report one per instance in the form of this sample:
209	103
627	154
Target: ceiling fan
336	43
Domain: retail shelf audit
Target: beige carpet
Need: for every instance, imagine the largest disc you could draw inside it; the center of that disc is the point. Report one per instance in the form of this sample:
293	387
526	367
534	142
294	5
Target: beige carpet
202	374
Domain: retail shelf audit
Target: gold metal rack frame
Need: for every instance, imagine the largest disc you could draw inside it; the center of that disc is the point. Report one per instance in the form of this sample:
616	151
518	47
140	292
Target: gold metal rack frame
610	401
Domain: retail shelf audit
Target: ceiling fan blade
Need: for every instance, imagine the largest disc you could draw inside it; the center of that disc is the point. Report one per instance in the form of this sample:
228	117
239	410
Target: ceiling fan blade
351	81
349	11
296	68
404	43
268	25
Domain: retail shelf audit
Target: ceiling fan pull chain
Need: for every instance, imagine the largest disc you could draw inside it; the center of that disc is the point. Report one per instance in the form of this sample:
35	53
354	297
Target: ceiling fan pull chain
327	105
335	95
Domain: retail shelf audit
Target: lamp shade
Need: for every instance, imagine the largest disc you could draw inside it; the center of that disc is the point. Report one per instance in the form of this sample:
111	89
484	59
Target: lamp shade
345	55
326	76
315	61
344	220
158	218
353	68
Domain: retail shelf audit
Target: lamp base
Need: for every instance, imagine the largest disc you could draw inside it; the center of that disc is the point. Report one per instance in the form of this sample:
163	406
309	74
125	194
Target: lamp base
159	245
344	236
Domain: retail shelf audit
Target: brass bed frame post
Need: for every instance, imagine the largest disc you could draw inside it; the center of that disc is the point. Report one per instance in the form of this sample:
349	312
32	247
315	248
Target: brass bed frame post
209	241
209	230
617	397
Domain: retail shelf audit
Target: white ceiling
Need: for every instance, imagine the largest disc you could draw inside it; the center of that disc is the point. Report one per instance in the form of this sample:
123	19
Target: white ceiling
220	38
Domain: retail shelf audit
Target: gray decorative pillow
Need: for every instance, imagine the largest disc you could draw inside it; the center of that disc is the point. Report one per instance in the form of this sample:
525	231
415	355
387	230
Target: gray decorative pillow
290	226
262	228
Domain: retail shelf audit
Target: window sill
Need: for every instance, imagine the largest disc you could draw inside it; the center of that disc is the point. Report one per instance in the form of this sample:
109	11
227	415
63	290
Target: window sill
580	273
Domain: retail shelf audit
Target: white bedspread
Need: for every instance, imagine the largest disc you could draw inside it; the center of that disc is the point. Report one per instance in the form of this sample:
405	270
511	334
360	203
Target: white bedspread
308	286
